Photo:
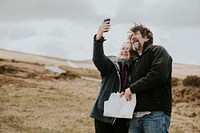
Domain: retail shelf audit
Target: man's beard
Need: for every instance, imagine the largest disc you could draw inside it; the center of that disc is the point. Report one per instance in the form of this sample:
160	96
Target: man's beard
136	46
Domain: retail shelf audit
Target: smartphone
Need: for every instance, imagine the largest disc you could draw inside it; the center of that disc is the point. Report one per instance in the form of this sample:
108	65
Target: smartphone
105	20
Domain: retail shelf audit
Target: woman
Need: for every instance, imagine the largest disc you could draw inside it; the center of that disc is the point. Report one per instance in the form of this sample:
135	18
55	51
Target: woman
115	78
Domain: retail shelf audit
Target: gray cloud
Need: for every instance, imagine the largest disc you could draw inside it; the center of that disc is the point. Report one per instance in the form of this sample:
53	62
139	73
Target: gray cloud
71	10
166	13
65	28
17	32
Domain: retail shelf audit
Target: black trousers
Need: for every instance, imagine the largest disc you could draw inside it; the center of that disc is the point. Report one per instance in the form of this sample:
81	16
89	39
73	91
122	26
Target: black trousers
120	126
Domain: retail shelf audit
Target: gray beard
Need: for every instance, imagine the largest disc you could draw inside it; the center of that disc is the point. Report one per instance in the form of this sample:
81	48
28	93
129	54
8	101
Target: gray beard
136	46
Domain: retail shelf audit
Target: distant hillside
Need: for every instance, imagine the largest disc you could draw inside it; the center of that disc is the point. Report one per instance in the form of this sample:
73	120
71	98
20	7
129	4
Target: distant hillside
179	70
183	70
26	57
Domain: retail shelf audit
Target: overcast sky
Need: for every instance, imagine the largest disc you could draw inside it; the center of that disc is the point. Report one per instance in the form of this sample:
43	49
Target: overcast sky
65	28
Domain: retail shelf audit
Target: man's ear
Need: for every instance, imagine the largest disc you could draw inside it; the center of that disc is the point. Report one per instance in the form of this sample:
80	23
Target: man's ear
146	39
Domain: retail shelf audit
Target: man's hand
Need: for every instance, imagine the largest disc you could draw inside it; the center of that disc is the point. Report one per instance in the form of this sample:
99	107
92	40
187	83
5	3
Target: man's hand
128	94
104	27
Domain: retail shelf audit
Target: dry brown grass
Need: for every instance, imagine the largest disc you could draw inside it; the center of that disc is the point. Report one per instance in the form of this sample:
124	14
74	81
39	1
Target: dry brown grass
43	103
35	100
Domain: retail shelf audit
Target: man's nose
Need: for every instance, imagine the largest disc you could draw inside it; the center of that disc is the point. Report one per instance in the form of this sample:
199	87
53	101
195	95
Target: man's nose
133	39
133	36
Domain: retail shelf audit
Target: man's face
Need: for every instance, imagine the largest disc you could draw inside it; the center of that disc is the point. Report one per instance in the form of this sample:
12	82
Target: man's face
137	41
125	51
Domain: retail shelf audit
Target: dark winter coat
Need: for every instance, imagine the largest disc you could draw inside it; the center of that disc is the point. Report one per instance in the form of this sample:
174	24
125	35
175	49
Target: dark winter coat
111	82
151	79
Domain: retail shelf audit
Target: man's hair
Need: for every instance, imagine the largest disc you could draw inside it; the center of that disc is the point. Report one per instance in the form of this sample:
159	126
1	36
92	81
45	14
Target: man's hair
144	31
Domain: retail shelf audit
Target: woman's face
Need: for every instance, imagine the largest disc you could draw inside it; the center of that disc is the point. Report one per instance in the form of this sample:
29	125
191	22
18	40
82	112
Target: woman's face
125	51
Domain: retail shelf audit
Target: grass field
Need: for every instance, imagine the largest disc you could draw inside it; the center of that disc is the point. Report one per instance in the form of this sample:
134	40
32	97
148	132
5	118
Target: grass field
36	100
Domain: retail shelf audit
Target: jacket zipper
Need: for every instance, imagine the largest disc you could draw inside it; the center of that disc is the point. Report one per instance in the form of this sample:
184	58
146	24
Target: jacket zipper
113	122
114	119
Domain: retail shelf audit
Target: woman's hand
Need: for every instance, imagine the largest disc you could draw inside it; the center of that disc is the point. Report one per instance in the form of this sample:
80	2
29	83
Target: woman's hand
104	27
121	94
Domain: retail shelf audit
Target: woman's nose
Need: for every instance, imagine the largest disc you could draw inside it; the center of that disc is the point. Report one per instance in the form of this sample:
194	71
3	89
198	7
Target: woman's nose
125	50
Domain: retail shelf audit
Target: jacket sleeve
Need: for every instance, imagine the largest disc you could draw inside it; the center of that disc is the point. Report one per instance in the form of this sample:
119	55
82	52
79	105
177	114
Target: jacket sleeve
159	73
101	61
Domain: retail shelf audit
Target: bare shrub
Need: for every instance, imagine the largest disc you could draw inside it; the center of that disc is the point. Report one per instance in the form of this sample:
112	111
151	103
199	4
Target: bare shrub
175	81
193	81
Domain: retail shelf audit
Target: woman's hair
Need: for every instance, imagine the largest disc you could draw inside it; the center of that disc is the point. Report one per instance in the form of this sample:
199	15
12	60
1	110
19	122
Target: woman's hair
133	54
143	30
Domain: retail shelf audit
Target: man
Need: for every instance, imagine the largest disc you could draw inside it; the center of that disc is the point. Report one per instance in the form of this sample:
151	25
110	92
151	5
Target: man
151	81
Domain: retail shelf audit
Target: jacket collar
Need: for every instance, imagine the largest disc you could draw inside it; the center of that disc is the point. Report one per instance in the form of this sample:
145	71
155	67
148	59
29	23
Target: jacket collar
147	46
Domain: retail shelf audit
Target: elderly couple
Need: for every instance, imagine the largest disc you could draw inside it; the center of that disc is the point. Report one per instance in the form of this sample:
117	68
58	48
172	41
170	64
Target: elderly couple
141	68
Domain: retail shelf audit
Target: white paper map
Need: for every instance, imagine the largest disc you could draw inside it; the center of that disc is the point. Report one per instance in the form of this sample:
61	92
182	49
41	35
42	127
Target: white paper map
119	107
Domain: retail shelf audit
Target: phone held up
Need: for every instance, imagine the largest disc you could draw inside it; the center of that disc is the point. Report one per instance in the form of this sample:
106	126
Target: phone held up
107	20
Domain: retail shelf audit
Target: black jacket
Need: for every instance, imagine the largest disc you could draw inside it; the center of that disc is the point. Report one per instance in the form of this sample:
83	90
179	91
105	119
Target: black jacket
151	79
